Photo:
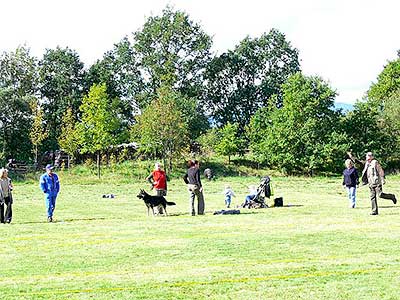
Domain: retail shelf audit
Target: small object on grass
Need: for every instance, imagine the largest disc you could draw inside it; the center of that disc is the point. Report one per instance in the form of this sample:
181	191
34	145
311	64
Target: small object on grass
108	196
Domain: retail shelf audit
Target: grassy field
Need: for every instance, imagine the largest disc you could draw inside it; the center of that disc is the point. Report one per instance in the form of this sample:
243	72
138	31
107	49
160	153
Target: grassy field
314	247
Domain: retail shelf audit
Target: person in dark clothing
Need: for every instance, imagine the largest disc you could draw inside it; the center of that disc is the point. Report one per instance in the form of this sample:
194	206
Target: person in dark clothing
350	182
192	179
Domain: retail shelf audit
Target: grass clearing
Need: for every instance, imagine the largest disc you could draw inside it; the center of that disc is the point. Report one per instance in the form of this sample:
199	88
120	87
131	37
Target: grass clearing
313	248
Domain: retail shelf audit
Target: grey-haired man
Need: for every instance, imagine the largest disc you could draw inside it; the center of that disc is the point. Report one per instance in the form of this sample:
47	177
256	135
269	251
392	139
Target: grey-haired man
374	176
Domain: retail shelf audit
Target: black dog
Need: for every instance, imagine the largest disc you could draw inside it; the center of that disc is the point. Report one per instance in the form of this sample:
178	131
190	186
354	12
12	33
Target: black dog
154	201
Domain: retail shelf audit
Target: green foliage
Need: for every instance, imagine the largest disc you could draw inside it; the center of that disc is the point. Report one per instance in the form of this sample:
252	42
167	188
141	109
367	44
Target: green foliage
172	51
304	135
120	72
61	87
18	80
229	141
241	81
387	84
208	142
161	127
374	125
98	124
364	128
69	139
38	132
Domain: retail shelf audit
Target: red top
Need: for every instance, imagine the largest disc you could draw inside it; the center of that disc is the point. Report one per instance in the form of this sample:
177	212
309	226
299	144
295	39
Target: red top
160	180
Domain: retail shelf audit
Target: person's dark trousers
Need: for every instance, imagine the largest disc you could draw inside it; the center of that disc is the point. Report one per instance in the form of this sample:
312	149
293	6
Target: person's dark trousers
8	215
194	191
2	213
376	191
163	194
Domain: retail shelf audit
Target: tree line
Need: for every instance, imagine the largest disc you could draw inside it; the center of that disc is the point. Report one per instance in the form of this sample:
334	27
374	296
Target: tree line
163	88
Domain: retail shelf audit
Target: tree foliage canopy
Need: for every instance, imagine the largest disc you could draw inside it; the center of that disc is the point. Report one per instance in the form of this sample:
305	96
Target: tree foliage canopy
172	51
305	134
241	81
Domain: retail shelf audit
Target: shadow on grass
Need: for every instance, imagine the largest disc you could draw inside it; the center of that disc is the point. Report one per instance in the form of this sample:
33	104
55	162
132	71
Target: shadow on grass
61	221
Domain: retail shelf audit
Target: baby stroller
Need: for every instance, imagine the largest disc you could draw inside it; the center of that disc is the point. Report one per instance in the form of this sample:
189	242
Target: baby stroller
263	191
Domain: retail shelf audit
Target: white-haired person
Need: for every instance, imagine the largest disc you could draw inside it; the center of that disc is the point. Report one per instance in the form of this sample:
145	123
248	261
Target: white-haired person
158	181
374	176
350	182
6	188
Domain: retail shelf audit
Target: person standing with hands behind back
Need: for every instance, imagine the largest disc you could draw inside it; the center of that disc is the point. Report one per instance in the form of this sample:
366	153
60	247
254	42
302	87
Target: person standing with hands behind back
374	176
350	182
192	179
50	185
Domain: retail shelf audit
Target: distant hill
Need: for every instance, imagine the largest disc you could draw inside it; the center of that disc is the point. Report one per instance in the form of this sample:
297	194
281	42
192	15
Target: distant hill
344	106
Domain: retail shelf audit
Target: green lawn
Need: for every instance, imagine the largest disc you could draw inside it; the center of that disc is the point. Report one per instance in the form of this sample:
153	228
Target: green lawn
313	248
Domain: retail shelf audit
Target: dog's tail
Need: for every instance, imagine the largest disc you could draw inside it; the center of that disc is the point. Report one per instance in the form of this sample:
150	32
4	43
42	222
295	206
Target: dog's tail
171	203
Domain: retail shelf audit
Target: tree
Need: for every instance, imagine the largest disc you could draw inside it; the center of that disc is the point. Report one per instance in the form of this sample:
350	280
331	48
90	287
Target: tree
96	130
69	139
61	86
18	85
172	51
388	82
119	70
161	127
241	81
383	101
304	135
38	131
229	142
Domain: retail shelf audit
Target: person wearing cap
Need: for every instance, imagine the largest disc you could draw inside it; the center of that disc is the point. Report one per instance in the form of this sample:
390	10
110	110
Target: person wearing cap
50	185
158	181
374	176
5	196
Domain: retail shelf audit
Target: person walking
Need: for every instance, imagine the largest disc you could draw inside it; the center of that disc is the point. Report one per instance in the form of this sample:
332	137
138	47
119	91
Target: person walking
195	188
5	196
374	176
228	192
158	181
350	182
50	185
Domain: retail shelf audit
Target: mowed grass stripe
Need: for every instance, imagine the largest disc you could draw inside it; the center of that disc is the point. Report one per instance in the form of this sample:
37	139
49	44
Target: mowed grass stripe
216	281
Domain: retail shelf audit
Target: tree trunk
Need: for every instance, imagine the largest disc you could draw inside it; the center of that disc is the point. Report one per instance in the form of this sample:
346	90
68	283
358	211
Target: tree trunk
98	163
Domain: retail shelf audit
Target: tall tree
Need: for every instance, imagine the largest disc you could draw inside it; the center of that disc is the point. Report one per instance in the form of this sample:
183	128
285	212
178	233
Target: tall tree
172	51
241	81
18	85
303	136
61	86
119	70
161	127
366	131
69	139
388	82
38	131
98	124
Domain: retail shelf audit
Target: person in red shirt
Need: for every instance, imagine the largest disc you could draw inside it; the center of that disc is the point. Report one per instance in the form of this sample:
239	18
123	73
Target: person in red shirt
158	181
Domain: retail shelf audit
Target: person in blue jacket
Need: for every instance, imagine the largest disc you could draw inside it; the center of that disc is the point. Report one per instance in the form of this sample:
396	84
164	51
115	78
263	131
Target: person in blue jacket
50	185
350	182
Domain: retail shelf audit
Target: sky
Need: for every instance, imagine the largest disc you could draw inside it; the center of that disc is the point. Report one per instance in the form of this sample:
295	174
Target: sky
346	42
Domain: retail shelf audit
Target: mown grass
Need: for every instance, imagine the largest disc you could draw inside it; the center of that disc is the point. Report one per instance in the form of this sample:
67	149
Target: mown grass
314	247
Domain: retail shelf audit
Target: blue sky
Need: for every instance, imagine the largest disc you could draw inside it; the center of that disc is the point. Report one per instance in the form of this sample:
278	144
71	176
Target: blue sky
347	43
